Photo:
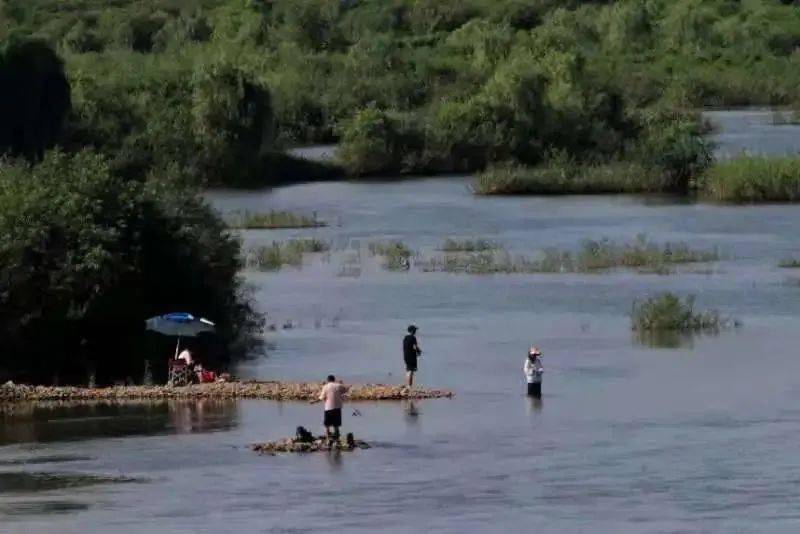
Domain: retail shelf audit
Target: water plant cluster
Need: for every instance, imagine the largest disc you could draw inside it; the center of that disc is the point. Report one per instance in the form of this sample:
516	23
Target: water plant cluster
468	245
278	254
273	220
668	312
592	256
753	179
558	179
396	255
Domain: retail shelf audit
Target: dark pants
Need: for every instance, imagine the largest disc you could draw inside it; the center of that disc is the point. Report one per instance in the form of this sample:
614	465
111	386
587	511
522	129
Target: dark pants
535	390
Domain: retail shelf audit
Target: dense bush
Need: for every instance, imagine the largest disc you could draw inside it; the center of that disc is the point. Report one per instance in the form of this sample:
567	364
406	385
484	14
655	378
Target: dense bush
443	85
409	85
79	275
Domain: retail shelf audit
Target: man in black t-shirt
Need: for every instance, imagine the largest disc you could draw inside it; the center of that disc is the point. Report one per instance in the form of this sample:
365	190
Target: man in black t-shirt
411	352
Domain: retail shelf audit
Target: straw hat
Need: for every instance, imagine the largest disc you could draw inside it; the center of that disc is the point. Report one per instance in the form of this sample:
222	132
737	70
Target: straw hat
534	351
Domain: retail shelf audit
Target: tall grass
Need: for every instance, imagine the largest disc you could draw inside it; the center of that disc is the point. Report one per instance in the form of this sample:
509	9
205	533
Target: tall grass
753	179
273	220
558	179
273	257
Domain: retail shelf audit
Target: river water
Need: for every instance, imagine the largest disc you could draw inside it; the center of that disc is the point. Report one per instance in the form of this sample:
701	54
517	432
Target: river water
697	435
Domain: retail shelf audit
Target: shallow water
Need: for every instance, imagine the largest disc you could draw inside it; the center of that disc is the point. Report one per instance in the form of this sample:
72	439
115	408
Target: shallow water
754	131
628	438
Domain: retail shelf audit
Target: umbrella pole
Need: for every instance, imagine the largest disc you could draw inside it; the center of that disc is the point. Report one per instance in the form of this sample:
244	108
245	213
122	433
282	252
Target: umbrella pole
177	347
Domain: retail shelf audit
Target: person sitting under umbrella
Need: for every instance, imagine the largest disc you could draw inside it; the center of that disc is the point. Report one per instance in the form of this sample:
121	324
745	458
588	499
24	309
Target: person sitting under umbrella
186	356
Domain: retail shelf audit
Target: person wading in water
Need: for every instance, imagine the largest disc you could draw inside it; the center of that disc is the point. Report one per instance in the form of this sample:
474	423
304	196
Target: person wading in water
533	372
411	352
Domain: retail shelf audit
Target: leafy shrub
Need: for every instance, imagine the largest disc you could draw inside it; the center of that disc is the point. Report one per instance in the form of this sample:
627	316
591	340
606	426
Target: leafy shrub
674	143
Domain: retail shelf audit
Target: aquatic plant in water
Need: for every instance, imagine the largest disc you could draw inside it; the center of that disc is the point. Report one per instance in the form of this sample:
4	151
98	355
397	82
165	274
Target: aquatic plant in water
273	220
642	254
789	263
753	179
569	178
593	256
668	312
273	257
396	255
468	245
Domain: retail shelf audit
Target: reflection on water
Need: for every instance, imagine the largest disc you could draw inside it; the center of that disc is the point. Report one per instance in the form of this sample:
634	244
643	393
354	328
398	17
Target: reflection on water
54	459
25	482
59	421
410	408
667	339
41	507
534	405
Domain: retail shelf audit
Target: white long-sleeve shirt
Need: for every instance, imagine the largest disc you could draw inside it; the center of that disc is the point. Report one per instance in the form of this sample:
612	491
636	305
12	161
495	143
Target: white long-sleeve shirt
533	370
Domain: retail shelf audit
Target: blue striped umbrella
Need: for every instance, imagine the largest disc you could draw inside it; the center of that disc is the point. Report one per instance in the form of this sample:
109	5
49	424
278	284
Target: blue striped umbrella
179	324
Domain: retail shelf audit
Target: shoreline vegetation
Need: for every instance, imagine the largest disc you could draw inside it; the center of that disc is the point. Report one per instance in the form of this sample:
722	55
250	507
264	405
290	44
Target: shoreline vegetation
747	179
620	177
266	390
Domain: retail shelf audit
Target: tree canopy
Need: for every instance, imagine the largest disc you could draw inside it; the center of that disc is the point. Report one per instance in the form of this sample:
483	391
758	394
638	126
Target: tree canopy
86	256
34	98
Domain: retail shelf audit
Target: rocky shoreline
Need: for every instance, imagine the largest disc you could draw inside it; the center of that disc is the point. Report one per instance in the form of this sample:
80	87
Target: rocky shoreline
273	390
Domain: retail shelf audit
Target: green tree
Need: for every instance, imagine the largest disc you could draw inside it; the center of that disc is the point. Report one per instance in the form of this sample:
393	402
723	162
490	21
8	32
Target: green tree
78	276
232	120
34	98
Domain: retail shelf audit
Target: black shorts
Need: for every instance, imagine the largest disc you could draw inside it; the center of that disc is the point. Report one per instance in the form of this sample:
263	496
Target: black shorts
411	364
333	417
